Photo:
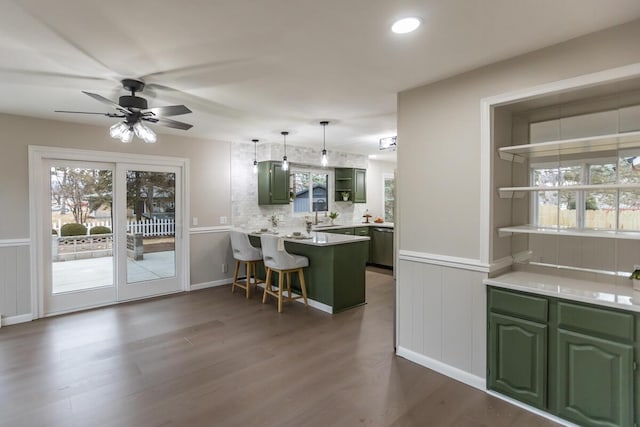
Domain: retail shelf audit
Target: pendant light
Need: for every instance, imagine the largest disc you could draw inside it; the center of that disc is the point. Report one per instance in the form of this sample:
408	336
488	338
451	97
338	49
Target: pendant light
285	163
255	156
324	161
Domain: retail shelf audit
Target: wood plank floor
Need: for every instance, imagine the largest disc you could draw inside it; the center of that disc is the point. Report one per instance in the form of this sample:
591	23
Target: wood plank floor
210	358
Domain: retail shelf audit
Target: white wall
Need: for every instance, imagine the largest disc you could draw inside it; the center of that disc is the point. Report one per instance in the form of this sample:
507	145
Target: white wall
439	192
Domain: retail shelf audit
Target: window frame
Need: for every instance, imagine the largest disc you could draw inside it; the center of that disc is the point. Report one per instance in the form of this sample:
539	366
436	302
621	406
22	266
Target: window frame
385	176
311	170
585	179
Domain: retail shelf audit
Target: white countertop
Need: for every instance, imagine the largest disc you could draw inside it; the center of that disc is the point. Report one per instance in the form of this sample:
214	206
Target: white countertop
317	238
616	296
321	227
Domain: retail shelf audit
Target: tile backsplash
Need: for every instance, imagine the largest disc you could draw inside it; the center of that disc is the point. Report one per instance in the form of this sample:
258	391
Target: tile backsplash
245	210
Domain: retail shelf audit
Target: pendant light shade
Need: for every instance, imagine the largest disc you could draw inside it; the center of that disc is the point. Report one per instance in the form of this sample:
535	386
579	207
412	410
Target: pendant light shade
324	161
285	163
255	156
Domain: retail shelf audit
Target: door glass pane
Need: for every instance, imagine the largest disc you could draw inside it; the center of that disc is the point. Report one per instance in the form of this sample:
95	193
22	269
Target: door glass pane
81	234
150	225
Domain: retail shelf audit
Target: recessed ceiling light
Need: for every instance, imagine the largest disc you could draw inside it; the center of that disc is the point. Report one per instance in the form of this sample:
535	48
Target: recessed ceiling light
405	25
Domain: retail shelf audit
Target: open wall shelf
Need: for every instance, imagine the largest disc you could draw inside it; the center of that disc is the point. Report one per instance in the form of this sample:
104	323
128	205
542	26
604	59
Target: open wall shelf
533	229
518	192
616	141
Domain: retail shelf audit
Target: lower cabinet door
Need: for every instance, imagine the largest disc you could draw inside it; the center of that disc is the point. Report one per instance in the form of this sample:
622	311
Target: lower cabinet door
518	359
595	380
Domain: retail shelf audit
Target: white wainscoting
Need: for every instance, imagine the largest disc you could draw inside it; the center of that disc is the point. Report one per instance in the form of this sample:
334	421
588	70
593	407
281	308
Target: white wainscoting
15	282
441	315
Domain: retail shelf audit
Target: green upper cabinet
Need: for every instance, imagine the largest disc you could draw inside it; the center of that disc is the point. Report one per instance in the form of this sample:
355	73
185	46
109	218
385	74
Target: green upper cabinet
273	184
351	181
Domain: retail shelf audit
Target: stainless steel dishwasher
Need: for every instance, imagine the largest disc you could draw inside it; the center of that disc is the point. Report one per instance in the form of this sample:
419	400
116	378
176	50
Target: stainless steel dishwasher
382	242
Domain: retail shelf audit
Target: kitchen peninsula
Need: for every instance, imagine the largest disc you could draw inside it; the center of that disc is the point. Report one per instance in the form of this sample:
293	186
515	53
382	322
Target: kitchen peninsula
335	278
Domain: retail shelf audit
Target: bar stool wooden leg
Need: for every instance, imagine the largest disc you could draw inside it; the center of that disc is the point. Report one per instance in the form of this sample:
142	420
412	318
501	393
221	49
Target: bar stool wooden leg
267	285
235	276
247	273
251	271
289	286
303	286
280	285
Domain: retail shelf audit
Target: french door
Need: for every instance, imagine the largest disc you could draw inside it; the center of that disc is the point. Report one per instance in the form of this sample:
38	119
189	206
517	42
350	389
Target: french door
111	232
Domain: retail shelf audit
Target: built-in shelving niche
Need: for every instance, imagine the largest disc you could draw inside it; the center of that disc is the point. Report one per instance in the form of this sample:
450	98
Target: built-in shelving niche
596	122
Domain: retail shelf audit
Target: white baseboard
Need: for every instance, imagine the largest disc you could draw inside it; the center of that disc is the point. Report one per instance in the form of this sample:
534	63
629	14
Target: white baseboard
14	320
532	409
441	367
212	284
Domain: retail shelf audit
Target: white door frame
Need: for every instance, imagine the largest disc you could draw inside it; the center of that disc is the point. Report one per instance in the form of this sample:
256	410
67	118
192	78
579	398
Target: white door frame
38	153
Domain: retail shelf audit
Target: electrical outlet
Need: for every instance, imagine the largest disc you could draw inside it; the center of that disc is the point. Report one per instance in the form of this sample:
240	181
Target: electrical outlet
223	220
195	220
225	268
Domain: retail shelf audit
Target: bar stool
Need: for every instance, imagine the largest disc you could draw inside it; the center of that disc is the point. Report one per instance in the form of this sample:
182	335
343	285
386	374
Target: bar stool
244	252
278	260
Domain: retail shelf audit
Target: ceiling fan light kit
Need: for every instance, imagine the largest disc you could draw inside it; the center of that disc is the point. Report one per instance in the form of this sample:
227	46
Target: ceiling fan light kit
135	111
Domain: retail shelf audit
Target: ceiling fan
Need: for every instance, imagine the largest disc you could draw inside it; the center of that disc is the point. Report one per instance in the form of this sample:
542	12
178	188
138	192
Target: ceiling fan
134	110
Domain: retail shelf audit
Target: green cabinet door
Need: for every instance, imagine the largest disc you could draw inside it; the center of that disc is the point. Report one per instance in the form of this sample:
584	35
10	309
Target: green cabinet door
518	359
273	184
595	380
360	186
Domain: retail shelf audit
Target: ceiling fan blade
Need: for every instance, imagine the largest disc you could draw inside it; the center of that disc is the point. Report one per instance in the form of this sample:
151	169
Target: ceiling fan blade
170	110
107	101
87	112
168	123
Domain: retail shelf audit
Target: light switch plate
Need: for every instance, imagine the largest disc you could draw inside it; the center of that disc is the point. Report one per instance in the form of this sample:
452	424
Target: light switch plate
195	220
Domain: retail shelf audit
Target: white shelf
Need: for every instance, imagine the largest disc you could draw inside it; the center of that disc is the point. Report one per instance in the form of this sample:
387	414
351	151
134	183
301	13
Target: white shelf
518	192
532	229
590	144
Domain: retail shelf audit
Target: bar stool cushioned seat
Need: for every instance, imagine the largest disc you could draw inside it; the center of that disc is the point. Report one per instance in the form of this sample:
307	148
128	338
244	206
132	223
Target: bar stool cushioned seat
244	252
276	259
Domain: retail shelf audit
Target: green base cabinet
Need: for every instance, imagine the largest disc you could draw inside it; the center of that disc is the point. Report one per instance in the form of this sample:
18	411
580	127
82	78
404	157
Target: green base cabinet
273	184
595	380
518	360
577	361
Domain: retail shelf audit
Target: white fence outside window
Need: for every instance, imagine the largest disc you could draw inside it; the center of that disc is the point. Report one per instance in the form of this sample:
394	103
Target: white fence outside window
154	228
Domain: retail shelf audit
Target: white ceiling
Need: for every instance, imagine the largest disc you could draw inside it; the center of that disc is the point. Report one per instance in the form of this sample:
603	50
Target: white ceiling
252	68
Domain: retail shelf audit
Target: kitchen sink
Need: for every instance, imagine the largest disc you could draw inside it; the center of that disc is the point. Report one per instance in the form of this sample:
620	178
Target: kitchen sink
326	225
